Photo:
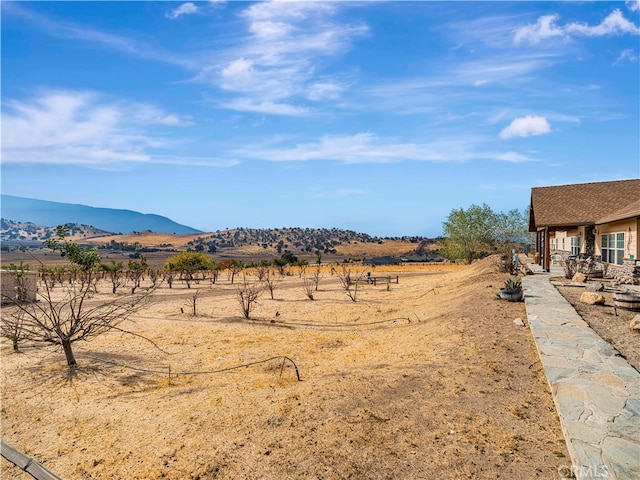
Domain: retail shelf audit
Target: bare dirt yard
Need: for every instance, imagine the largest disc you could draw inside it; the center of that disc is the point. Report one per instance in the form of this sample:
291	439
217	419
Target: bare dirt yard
429	378
612	324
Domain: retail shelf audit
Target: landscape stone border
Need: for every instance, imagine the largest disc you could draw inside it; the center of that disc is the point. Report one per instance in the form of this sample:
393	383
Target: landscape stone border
595	390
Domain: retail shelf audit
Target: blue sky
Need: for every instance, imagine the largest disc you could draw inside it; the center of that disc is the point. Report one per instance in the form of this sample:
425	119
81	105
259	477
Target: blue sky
379	117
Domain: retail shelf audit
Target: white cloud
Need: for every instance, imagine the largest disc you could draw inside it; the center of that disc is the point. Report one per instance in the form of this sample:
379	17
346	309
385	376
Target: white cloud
513	157
264	107
279	58
65	127
544	28
184	9
369	148
525	127
627	55
633	5
614	24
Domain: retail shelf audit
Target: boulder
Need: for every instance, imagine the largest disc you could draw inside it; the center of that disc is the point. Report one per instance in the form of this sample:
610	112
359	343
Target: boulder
518	321
579	278
592	298
635	323
595	287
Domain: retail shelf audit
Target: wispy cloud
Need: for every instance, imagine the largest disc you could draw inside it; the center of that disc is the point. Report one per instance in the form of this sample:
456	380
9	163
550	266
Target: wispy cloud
277	63
369	148
547	27
526	127
70	30
627	55
65	127
633	5
185	9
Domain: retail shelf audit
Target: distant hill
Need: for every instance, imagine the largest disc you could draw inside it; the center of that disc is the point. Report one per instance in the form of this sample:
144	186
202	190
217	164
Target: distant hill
252	244
51	214
30	234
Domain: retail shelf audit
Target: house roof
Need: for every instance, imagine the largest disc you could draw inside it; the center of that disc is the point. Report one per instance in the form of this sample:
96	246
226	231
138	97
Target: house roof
584	203
631	210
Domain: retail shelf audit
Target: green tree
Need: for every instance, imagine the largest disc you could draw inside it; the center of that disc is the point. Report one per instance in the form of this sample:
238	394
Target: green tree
469	234
85	258
114	270
189	264
136	271
512	227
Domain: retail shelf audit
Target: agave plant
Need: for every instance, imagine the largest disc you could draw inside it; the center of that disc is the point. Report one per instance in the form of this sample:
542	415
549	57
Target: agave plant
512	283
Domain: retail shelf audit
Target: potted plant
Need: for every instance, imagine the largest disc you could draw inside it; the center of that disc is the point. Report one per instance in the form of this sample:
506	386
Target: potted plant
512	290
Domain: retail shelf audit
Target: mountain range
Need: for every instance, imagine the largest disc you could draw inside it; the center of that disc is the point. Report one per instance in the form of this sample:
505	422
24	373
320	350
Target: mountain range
51	214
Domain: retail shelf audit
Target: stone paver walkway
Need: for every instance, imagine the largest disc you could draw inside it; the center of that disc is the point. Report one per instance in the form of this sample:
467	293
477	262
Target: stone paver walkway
596	392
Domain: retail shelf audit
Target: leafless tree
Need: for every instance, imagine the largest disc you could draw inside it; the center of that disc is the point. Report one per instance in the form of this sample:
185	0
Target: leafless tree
248	294
193	301
350	281
307	284
169	276
154	275
317	276
12	326
270	281
74	315
235	267
262	271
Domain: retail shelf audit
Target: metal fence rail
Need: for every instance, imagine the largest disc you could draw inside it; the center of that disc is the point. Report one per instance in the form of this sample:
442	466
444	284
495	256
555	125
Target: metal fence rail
26	463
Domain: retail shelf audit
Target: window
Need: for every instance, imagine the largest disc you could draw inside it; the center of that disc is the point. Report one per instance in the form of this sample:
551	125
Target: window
613	248
575	246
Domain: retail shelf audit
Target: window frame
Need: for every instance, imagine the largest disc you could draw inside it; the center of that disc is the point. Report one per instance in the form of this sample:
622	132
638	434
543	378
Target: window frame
612	247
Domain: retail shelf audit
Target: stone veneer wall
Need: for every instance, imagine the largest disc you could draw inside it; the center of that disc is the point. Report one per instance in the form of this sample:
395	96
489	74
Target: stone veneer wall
628	272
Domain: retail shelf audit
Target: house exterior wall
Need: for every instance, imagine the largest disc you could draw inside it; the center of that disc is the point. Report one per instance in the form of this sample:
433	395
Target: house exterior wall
629	271
630	229
561	242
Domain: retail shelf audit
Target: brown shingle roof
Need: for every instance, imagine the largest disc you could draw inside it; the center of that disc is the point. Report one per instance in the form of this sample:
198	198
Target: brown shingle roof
631	210
583	203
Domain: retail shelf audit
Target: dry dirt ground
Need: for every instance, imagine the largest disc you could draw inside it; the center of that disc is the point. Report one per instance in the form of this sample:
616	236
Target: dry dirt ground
611	323
428	379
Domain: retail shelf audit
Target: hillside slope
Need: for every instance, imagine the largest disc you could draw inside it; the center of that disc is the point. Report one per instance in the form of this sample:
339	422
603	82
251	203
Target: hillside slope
50	214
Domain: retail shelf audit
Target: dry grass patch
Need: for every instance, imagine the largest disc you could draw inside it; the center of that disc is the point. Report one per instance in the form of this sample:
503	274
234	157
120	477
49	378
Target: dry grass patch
430	379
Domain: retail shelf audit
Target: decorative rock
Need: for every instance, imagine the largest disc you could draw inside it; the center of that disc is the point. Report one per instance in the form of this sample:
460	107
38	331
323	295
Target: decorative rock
579	278
595	287
592	298
518	321
635	323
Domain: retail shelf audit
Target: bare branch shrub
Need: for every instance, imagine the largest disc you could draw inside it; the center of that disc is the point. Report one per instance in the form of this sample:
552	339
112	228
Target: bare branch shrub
350	281
72	314
317	276
270	280
307	284
12	327
193	301
248	294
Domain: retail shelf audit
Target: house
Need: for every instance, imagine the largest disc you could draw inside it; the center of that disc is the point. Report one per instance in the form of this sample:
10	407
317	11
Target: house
599	220
381	261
